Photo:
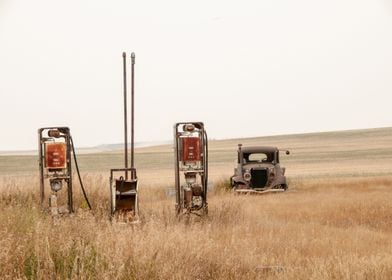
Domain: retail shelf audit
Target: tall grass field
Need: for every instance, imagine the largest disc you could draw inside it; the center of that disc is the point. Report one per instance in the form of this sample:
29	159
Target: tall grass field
334	222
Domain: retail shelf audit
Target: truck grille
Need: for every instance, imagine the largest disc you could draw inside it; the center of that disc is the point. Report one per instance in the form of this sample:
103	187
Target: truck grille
259	178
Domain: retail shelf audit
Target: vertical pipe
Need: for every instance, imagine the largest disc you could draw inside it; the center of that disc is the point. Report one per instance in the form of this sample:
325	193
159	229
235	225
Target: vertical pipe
41	167
240	159
112	195
205	158
125	116
177	171
69	171
133	111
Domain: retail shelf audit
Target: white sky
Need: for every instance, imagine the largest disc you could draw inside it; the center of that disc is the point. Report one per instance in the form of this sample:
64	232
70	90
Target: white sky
245	68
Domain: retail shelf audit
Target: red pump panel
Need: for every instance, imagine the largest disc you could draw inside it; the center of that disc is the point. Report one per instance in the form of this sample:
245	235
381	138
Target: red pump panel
55	155
191	149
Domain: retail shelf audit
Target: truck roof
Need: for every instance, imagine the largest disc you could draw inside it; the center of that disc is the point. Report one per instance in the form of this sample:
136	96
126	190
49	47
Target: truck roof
258	149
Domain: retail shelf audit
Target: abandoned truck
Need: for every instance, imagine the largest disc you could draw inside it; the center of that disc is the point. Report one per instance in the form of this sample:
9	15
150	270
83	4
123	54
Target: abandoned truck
258	170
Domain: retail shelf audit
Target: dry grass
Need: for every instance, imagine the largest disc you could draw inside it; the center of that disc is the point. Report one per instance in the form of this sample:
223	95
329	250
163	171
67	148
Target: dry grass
318	230
335	222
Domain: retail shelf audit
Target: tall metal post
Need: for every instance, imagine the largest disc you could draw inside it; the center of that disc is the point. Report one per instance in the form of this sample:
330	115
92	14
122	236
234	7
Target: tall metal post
133	111
41	167
125	115
69	170
177	170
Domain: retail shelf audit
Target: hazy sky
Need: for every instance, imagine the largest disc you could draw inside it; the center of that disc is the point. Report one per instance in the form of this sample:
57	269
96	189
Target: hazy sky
245	68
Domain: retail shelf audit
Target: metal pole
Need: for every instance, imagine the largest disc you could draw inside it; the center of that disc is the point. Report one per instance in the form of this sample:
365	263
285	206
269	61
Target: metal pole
41	167
177	171
133	110
205	159
69	171
125	115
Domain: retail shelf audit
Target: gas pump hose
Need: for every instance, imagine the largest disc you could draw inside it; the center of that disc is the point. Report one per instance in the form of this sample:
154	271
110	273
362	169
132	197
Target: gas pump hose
77	170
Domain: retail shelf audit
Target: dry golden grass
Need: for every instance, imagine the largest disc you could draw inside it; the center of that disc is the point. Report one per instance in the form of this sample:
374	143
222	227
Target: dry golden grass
335	222
318	230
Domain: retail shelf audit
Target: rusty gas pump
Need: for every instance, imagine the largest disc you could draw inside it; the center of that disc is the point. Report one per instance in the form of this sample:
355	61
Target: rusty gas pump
55	145
123	181
55	167
191	168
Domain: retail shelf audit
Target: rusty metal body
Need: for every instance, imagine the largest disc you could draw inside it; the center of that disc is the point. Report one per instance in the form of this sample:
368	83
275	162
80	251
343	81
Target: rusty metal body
258	170
124	189
54	150
191	167
124	193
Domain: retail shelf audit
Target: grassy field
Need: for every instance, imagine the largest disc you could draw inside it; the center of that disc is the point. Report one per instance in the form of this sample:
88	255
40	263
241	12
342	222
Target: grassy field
335	222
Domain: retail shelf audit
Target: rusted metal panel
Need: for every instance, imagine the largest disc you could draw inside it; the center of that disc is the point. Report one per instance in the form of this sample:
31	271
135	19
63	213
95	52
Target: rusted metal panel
126	192
191	149
56	155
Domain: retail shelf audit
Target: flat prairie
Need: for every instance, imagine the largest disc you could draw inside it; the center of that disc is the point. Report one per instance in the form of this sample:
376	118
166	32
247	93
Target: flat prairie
334	222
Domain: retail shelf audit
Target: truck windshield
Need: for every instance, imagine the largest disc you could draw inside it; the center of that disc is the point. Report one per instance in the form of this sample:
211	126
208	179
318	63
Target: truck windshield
258	157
